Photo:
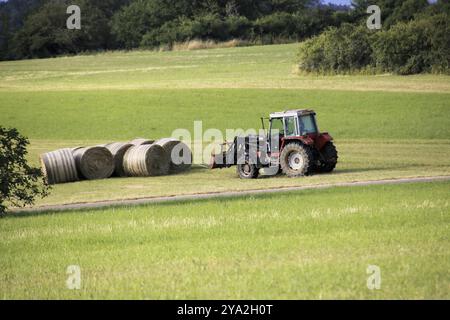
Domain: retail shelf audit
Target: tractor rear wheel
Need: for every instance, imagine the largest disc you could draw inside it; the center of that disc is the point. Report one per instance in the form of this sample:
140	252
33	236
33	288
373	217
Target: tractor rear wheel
296	160
247	170
329	159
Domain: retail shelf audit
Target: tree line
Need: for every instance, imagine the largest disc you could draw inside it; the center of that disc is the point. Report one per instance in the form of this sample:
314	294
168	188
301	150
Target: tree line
37	28
334	39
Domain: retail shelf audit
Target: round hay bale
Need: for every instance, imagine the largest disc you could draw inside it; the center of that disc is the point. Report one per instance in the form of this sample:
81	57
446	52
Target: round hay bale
180	156
118	150
94	162
141	142
146	160
59	166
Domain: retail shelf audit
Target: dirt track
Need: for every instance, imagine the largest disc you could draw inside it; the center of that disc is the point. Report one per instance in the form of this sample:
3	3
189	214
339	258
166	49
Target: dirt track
130	202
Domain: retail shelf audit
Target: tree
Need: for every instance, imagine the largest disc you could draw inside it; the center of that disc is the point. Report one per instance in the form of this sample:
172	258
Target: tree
12	15
392	11
20	183
45	33
132	22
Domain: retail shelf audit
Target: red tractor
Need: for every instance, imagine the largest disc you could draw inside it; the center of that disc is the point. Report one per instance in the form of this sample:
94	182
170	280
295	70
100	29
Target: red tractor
293	145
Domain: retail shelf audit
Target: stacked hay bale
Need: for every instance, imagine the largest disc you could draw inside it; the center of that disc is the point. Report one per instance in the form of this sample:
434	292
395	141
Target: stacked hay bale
94	162
137	158
141	142
180	156
145	161
118	150
59	166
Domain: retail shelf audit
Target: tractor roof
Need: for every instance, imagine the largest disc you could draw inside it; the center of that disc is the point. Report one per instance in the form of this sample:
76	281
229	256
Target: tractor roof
287	113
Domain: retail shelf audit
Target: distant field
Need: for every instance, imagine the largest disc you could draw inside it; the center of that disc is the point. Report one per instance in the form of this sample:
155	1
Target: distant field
311	244
246	67
121	95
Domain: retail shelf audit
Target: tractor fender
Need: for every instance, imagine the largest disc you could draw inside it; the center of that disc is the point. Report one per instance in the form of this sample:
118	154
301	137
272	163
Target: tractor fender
306	140
322	139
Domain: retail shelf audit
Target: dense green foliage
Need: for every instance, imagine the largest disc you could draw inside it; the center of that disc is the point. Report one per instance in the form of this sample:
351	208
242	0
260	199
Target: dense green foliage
337	49
44	32
414	36
19	183
39	29
418	42
421	45
267	29
413	39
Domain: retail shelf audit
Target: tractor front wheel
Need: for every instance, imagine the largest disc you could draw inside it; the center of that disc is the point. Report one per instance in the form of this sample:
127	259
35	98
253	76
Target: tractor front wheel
296	160
247	171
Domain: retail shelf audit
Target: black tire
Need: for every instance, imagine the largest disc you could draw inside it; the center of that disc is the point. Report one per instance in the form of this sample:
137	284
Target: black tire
329	158
247	171
296	160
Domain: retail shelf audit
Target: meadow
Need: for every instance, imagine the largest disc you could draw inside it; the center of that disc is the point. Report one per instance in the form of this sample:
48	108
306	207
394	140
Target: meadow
309	244
314	244
384	126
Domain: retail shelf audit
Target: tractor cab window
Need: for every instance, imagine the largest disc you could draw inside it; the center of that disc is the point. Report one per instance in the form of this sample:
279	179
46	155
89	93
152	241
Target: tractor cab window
276	124
290	126
308	124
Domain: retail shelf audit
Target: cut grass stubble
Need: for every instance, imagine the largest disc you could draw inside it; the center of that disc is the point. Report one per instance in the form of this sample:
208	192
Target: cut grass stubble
309	244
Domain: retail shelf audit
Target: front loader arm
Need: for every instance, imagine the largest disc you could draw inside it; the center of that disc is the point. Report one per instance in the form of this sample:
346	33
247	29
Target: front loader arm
226	158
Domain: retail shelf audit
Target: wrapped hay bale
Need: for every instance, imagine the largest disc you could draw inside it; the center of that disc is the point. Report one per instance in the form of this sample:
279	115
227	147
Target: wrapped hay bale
93	162
180	156
118	150
146	160
59	166
141	142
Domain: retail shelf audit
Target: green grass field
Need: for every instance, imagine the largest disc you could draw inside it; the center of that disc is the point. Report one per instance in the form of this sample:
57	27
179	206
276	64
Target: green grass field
314	244
384	126
311	244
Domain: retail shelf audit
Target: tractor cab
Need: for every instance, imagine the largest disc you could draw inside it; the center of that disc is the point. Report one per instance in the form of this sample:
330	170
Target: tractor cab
293	123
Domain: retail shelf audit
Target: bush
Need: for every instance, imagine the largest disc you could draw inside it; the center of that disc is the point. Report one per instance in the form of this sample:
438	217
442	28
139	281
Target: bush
19	183
130	23
421	45
239	27
209	27
414	47
343	49
168	33
213	27
277	24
